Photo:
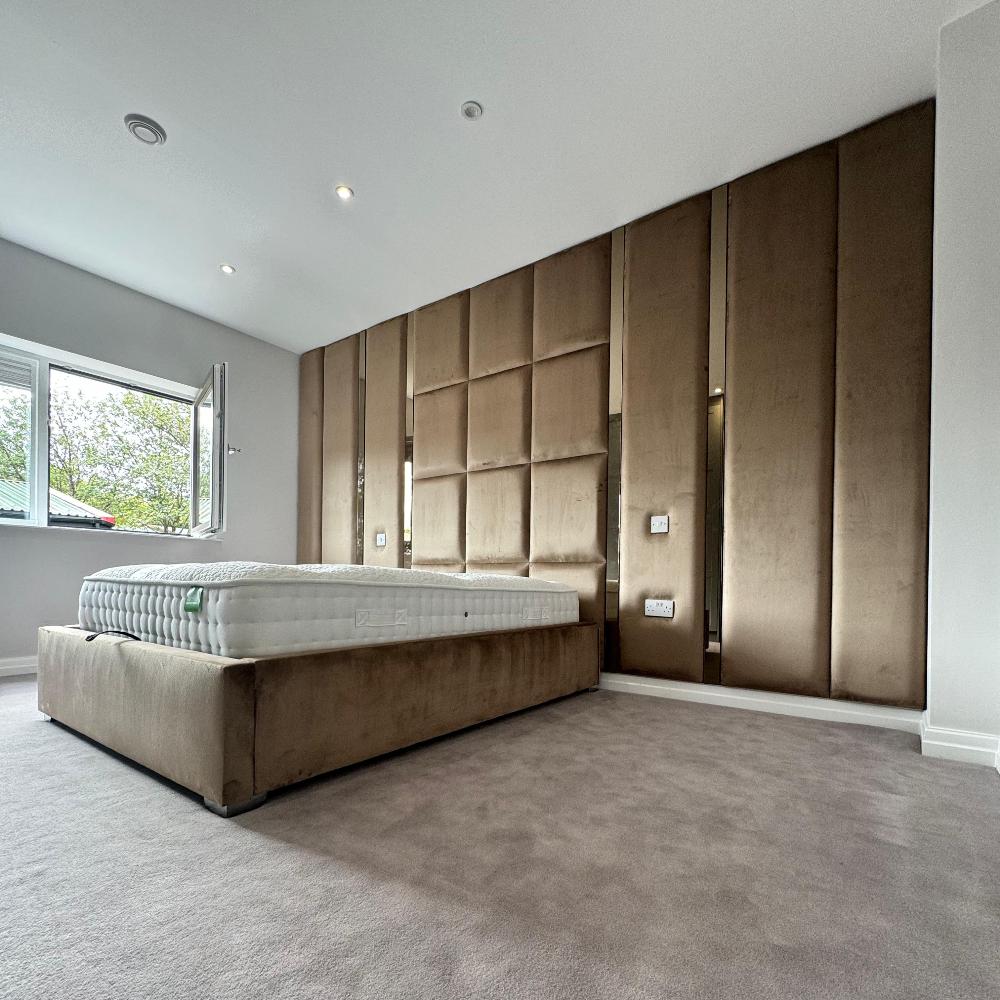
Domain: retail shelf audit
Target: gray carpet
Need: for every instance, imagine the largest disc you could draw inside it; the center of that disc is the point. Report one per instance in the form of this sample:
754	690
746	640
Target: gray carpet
604	846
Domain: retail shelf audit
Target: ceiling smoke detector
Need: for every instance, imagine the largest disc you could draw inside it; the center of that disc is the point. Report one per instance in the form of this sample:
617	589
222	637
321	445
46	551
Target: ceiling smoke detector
146	130
472	110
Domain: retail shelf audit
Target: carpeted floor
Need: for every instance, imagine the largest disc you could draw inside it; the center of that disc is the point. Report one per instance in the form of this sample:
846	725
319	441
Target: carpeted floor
604	846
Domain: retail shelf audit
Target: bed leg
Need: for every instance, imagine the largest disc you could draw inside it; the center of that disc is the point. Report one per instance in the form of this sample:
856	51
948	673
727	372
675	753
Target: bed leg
227	812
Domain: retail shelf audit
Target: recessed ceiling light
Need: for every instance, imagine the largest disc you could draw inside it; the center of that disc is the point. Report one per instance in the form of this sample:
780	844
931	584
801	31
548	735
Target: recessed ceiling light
343	192
227	269
472	110
146	130
718	390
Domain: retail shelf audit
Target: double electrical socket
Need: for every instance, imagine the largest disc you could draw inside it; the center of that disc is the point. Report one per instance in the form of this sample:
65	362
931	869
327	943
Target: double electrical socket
656	608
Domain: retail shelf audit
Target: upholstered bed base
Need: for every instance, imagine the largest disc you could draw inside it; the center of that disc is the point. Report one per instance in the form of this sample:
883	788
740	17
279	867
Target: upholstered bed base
234	730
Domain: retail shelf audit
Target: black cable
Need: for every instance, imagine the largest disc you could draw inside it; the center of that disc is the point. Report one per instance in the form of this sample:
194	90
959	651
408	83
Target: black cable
111	631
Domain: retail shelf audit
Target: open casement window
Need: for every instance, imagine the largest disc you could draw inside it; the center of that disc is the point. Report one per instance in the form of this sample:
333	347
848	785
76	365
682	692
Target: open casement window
208	454
21	417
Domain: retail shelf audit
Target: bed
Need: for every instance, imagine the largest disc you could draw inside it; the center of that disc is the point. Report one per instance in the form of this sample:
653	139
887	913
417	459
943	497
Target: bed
236	679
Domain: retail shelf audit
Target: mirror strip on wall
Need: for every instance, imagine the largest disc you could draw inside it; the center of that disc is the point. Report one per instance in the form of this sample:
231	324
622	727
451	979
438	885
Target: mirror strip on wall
359	538
715	438
408	447
612	659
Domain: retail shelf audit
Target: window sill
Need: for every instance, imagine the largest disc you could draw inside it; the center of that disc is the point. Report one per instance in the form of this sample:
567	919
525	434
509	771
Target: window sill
66	529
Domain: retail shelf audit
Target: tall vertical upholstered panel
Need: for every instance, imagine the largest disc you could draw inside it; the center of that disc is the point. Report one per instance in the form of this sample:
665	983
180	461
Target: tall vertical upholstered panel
385	434
665	397
341	416
882	410
779	425
569	421
310	484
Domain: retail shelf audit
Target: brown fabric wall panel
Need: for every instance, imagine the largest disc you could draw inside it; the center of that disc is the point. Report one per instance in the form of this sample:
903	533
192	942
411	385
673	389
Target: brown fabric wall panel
500	569
779	425
882	410
569	402
572	300
500	318
310	485
500	419
440	567
663	438
439	520
568	510
439	431
441	343
385	434
497	515
340	450
586	578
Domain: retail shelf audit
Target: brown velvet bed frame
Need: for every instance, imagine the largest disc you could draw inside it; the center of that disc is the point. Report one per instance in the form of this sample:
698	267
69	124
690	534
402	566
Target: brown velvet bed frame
234	730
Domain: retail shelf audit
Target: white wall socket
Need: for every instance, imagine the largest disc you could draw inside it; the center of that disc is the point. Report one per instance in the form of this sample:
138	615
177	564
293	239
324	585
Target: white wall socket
656	608
380	539
659	524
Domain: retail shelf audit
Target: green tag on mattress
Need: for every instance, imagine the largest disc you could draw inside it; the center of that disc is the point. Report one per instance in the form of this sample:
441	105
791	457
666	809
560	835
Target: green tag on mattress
192	600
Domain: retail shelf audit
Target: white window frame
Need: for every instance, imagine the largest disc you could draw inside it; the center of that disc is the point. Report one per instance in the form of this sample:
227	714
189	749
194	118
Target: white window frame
42	359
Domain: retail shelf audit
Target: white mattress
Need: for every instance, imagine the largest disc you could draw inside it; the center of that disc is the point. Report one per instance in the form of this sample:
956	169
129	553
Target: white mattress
245	609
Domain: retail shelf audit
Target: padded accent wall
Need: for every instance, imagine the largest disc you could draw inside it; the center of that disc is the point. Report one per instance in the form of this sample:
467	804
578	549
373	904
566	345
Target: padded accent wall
883	410
569	427
510	425
440	429
310	502
779	425
665	395
385	437
341	414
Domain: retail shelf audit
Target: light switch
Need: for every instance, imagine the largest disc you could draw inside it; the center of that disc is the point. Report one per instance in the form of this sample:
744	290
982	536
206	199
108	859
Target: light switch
380	539
659	524
656	608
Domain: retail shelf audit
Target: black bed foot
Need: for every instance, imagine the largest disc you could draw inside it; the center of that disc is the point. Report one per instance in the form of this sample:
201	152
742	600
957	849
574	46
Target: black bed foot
228	812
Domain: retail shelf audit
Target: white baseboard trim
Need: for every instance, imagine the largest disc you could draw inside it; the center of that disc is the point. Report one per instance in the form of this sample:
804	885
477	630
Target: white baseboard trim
15	666
959	744
907	720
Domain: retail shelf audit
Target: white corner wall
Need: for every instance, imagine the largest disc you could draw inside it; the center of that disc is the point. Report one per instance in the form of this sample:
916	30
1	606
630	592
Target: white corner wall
51	303
963	699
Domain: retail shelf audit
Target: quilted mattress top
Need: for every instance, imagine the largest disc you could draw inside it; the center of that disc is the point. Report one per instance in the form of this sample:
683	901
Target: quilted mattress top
233	574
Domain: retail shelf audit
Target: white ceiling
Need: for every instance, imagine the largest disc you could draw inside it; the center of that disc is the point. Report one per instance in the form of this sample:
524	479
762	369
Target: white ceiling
596	113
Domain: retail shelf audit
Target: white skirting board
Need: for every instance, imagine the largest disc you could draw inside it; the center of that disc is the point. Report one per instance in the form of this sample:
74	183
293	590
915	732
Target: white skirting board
957	744
15	666
972	748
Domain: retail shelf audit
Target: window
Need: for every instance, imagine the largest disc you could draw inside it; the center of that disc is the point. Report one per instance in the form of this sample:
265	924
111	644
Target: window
109	450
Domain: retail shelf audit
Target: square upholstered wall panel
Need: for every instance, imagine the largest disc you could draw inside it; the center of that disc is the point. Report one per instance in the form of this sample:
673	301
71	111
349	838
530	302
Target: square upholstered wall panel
441	343
498	569
500	419
439	431
439	520
778	496
572	302
497	518
568	500
570	405
500	318
587	579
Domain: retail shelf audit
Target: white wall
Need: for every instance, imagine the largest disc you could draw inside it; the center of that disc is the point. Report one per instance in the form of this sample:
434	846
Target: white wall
964	608
51	303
